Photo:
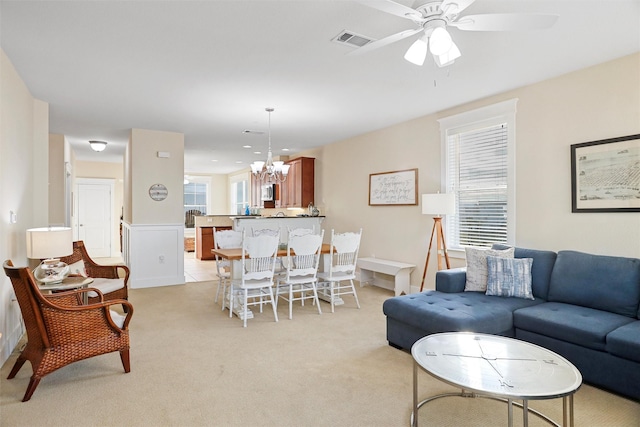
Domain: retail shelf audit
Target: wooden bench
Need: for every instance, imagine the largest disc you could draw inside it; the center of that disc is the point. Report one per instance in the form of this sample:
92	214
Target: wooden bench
400	270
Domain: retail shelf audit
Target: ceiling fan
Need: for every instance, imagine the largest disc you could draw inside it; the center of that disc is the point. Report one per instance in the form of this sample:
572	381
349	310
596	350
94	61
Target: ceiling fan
432	19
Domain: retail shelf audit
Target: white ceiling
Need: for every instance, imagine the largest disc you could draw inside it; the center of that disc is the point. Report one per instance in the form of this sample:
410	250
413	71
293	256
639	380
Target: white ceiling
208	69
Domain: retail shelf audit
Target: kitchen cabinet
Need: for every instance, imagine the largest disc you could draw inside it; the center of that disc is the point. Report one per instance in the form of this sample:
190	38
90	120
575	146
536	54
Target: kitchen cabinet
299	190
205	241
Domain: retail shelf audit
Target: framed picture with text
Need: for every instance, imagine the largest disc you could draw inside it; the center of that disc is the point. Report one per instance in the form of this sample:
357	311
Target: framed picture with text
399	188
605	175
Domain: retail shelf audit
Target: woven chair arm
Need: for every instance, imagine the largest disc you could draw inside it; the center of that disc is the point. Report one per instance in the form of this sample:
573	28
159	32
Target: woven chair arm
68	325
105	271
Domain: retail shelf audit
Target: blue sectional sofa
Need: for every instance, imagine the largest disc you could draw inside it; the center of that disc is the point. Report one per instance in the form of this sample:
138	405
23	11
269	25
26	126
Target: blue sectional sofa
586	308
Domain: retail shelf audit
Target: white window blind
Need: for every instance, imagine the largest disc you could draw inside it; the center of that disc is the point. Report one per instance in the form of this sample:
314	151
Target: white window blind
478	166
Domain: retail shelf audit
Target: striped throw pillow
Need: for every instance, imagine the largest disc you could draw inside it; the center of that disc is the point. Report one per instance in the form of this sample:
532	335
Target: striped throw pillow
509	277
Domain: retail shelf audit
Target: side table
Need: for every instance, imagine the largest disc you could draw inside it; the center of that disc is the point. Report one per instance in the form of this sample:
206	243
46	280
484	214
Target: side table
68	283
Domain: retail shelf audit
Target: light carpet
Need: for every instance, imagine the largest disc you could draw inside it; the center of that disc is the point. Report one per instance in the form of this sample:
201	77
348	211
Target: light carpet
192	365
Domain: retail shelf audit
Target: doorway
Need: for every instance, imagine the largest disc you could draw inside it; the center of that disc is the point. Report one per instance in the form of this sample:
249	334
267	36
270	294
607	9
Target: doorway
93	220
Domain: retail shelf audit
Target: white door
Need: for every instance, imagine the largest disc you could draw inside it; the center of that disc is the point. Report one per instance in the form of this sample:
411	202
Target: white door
94	217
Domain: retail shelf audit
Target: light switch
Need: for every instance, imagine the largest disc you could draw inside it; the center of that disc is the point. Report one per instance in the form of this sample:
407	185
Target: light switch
13	218
164	154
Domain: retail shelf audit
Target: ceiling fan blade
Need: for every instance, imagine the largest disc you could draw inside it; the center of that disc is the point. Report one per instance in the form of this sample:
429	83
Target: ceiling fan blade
393	8
455	6
385	41
505	22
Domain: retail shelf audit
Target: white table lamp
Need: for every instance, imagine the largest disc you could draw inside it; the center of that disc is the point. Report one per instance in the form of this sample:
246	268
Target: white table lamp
48	244
437	205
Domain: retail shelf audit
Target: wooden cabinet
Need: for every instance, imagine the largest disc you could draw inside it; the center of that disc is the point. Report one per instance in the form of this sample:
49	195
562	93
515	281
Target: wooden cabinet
299	190
205	242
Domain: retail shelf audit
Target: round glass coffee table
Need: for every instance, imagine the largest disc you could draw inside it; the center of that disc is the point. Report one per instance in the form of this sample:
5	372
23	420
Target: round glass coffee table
496	367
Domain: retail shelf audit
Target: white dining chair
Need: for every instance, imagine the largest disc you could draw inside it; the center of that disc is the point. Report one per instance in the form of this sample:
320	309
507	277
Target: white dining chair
265	231
270	232
259	255
299	281
342	267
225	239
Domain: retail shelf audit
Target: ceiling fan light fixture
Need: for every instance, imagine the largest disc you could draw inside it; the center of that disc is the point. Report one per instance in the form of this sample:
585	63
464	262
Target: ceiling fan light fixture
448	57
417	52
440	41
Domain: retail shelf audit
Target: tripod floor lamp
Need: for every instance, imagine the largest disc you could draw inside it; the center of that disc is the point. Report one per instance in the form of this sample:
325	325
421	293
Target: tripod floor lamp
437	205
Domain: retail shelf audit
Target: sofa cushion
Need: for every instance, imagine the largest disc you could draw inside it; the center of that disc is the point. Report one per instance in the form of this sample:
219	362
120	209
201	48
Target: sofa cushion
477	266
451	280
583	326
434	311
603	282
541	269
625	341
509	277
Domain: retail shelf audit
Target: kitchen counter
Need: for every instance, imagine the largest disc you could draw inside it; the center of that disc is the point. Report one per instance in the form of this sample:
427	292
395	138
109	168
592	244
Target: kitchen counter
214	221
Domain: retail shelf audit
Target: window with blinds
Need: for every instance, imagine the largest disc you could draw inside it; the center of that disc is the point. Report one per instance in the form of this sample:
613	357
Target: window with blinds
195	200
479	168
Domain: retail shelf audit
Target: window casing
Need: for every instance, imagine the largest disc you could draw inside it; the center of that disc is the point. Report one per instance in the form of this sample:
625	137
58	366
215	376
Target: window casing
239	193
479	168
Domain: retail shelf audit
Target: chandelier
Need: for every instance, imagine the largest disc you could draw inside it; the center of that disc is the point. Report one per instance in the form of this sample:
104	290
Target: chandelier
270	171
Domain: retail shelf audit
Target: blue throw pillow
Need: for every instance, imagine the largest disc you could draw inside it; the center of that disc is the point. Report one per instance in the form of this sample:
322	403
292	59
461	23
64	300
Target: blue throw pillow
509	277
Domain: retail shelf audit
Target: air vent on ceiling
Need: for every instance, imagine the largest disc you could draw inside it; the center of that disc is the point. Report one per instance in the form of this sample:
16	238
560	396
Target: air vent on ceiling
352	39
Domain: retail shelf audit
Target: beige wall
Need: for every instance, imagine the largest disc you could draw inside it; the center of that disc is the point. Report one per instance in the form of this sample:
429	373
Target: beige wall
147	168
105	170
218	191
595	103
56	180
24	145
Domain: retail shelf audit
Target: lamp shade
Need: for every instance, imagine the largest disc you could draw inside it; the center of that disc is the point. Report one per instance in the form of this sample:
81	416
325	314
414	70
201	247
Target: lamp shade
417	53
49	242
439	204
440	41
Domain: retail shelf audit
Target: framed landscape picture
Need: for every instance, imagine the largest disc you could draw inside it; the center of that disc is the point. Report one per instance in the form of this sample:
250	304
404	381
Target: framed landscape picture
393	188
605	175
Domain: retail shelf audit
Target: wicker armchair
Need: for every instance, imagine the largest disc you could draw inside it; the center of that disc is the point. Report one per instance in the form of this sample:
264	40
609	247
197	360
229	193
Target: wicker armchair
60	330
110	290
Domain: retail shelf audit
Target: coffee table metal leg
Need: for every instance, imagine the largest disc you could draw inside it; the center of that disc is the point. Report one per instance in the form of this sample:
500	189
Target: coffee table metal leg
415	394
567	411
570	409
510	412
567	405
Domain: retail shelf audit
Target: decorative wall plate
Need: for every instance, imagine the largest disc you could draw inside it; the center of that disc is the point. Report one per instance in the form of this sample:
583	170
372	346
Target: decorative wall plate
158	192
